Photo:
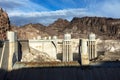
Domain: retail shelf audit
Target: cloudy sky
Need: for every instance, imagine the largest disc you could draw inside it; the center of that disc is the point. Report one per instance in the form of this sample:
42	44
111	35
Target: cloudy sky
46	11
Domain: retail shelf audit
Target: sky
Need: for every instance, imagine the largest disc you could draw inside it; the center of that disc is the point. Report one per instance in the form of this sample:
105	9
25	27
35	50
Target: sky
22	12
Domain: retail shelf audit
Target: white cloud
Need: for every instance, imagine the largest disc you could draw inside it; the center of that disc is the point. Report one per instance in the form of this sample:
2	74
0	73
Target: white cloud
21	5
111	8
107	8
45	17
63	12
24	11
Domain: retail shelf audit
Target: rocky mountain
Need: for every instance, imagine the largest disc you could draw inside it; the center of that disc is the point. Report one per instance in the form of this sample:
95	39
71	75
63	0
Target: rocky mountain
4	24
103	27
30	31
57	27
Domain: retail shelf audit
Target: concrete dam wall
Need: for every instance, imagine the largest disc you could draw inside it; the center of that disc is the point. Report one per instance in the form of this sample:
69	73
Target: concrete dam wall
60	50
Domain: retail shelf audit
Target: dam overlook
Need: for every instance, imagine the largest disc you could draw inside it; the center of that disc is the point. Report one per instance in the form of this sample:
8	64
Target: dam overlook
50	52
85	48
47	50
81	58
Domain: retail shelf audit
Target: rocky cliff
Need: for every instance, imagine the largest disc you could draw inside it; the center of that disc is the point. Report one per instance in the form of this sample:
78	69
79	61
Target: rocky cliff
4	24
104	28
30	31
57	27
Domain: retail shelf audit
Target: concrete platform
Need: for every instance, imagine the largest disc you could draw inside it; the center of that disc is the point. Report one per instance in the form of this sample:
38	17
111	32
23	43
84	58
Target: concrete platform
19	65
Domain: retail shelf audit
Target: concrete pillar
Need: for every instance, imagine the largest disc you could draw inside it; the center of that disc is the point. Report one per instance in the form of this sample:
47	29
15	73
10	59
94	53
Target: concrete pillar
54	37
38	37
55	43
34	38
84	52
11	36
92	47
49	37
67	48
45	38
55	40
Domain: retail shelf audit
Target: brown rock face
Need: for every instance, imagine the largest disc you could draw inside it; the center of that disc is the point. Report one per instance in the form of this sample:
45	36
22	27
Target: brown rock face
4	24
31	31
104	28
57	27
